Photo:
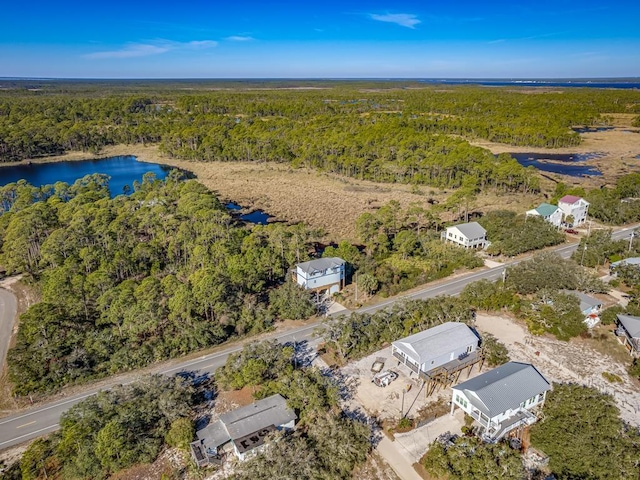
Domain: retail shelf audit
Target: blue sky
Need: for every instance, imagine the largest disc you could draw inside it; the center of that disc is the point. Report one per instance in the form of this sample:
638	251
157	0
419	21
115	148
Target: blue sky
330	39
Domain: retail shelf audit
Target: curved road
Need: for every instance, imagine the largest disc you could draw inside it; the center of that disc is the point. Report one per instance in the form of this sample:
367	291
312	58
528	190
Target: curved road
43	419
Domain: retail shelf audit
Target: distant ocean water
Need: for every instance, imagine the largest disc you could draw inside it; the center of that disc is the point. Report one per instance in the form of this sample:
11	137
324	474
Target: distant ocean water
631	83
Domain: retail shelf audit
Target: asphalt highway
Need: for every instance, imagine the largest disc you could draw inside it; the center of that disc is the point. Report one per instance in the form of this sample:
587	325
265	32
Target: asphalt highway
7	317
43	419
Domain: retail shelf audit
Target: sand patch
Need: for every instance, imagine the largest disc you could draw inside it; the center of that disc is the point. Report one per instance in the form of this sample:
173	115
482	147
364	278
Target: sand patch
573	361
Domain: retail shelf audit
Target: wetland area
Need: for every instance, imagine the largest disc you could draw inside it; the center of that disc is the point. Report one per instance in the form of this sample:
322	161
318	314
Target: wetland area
268	191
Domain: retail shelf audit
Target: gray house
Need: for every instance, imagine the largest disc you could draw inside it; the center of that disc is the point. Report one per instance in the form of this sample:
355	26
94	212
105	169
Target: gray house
321	274
589	306
468	235
626	262
628	332
435	347
501	400
241	430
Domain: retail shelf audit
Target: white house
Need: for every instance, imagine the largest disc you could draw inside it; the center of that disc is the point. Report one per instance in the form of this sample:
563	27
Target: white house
550	213
502	399
241	431
468	235
628	332
576	207
321	274
435	347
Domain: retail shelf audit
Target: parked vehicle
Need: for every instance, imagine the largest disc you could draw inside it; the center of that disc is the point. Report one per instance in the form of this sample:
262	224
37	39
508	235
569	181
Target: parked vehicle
383	379
571	231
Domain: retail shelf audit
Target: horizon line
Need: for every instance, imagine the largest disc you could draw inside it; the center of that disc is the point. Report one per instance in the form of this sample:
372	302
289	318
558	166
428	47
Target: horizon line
390	79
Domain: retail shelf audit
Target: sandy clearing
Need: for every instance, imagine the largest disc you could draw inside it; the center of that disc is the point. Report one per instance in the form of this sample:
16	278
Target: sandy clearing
571	361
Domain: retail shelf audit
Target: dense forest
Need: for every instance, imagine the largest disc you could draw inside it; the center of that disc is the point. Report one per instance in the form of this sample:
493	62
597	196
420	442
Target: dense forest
134	279
401	249
111	431
414	133
578	419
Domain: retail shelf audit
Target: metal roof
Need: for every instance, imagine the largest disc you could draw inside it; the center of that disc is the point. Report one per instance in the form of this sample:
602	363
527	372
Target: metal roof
320	264
243	421
471	229
631	324
571	199
436	341
213	435
627	261
586	301
504	388
546	209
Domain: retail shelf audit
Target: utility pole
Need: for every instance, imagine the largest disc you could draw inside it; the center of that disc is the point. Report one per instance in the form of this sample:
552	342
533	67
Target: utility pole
631	239
583	252
356	287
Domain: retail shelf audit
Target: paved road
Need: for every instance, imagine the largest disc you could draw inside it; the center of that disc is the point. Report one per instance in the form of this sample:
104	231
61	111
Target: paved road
8	310
40	420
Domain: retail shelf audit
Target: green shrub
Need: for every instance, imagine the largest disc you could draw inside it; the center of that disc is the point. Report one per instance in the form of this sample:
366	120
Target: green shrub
181	433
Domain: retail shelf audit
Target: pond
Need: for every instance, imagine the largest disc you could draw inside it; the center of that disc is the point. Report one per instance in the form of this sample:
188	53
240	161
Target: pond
562	163
591	129
259	217
123	170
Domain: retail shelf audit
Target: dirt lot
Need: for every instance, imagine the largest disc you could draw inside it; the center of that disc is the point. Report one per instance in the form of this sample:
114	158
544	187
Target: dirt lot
573	361
386	403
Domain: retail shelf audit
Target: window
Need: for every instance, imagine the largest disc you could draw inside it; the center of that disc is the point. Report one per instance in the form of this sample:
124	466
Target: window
461	401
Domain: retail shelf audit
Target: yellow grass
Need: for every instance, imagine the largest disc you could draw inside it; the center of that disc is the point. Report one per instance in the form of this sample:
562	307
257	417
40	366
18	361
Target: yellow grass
334	203
620	148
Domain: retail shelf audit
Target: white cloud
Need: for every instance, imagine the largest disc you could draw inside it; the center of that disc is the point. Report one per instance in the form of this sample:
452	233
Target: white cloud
408	20
199	44
239	38
133	50
130	51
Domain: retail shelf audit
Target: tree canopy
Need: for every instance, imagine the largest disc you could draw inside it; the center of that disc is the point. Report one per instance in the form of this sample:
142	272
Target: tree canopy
377	132
471	459
131	280
111	431
582	433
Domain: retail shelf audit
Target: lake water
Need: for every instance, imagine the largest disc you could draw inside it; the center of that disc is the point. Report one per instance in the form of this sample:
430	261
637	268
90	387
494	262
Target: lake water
562	163
630	83
591	129
259	217
123	171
